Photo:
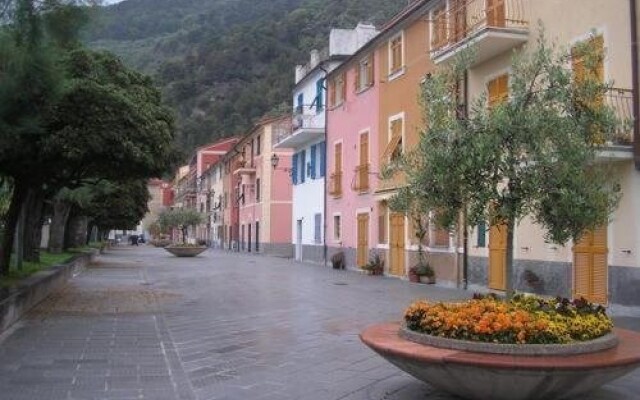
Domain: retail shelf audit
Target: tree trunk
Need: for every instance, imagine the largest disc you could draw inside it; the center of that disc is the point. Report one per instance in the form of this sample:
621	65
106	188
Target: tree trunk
76	234
465	250
509	267
34	207
61	211
10	222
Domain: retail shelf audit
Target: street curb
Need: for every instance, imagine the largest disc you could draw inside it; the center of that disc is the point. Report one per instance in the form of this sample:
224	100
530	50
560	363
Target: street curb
15	302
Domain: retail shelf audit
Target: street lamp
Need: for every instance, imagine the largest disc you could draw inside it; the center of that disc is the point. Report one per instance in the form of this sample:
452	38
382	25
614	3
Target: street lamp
275	160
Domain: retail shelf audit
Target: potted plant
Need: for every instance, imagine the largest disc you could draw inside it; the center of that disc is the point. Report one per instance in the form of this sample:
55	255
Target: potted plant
425	272
337	260
413	274
375	265
182	219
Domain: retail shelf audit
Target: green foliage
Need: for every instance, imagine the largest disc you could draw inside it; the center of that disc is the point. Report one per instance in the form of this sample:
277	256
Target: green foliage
222	64
532	155
180	218
118	205
29	268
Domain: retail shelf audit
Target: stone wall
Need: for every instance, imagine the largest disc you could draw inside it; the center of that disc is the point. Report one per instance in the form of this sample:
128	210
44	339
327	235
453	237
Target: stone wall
16	301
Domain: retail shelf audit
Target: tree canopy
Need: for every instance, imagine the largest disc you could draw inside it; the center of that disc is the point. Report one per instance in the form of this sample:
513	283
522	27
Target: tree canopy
533	153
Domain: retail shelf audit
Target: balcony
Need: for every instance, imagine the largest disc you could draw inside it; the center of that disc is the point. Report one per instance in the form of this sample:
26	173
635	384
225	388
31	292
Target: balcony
361	184
307	125
245	170
619	145
491	26
335	184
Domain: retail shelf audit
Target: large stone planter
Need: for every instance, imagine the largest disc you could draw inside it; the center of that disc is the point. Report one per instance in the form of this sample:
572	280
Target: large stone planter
185	251
480	376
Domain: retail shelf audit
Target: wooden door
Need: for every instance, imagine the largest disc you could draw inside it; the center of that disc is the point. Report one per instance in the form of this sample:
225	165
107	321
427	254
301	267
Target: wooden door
363	239
396	244
495	13
498	257
590	268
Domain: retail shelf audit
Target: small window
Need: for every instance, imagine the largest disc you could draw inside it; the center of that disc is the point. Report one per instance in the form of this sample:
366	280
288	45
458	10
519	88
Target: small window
317	228
395	146
337	90
482	235
337	228
320	95
300	104
258	190
395	55
258	145
364	74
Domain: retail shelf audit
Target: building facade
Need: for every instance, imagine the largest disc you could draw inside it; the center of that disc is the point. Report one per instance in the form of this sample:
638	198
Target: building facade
261	190
352	147
308	140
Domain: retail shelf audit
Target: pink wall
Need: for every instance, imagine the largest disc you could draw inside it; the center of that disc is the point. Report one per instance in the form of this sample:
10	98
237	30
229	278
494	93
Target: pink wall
359	112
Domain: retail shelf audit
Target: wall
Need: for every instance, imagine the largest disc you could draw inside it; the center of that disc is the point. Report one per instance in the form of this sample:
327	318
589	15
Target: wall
357	114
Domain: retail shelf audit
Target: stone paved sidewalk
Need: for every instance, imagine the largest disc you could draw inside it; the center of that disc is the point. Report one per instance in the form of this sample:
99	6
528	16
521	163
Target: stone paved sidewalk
144	325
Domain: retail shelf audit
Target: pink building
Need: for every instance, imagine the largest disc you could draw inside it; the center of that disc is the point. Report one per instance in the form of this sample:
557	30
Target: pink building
263	190
352	162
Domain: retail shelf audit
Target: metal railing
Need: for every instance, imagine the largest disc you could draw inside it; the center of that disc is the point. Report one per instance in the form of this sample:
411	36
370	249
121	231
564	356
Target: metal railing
303	117
362	178
462	18
621	102
335	184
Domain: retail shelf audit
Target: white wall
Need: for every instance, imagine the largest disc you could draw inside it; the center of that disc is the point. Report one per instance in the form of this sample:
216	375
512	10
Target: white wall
308	200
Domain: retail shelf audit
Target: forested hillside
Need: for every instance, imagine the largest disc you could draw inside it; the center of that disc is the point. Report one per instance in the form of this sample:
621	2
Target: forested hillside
224	63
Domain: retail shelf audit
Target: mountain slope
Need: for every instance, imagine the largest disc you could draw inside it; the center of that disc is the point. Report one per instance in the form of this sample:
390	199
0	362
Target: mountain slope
223	63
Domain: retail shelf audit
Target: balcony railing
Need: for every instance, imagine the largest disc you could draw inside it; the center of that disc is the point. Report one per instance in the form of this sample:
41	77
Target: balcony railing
335	184
362	178
621	102
307	123
464	18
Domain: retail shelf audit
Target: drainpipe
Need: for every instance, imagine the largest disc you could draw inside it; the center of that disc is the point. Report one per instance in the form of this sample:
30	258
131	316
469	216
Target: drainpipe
635	81
325	249
465	233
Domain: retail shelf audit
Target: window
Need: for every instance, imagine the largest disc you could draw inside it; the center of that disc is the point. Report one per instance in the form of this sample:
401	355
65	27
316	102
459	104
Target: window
294	169
364	74
317	228
336	228
312	163
498	89
395	147
320	95
242	195
258	190
257	236
482	235
337	90
335	185
303	165
258	145
383	211
439	27
322	146
396	55
300	104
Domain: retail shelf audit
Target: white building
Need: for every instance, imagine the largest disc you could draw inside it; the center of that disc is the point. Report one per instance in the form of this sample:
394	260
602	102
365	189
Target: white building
307	139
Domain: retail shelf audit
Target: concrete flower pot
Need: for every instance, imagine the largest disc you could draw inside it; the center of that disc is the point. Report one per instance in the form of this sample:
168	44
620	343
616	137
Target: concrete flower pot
428	279
541	375
185	251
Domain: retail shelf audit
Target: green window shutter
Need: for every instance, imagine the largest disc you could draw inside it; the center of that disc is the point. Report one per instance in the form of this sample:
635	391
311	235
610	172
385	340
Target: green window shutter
313	162
482	234
294	169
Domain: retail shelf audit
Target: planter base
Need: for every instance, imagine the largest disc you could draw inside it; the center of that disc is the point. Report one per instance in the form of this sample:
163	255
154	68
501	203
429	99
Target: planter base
505	377
185	251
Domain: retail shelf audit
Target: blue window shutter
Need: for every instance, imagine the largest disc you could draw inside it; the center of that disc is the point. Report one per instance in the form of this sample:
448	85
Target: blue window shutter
294	169
323	158
299	108
303	162
313	161
482	234
320	94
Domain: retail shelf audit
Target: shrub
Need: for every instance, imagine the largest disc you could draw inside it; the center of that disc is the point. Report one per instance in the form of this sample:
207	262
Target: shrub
525	319
338	261
375	264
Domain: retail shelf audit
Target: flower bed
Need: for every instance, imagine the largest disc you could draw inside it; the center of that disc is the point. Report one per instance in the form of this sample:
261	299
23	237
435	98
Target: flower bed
523	320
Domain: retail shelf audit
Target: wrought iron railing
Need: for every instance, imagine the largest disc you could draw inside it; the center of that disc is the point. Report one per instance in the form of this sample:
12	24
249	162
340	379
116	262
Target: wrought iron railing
463	18
621	102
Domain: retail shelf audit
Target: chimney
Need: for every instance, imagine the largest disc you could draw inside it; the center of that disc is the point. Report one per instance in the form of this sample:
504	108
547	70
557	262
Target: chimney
315	59
299	73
